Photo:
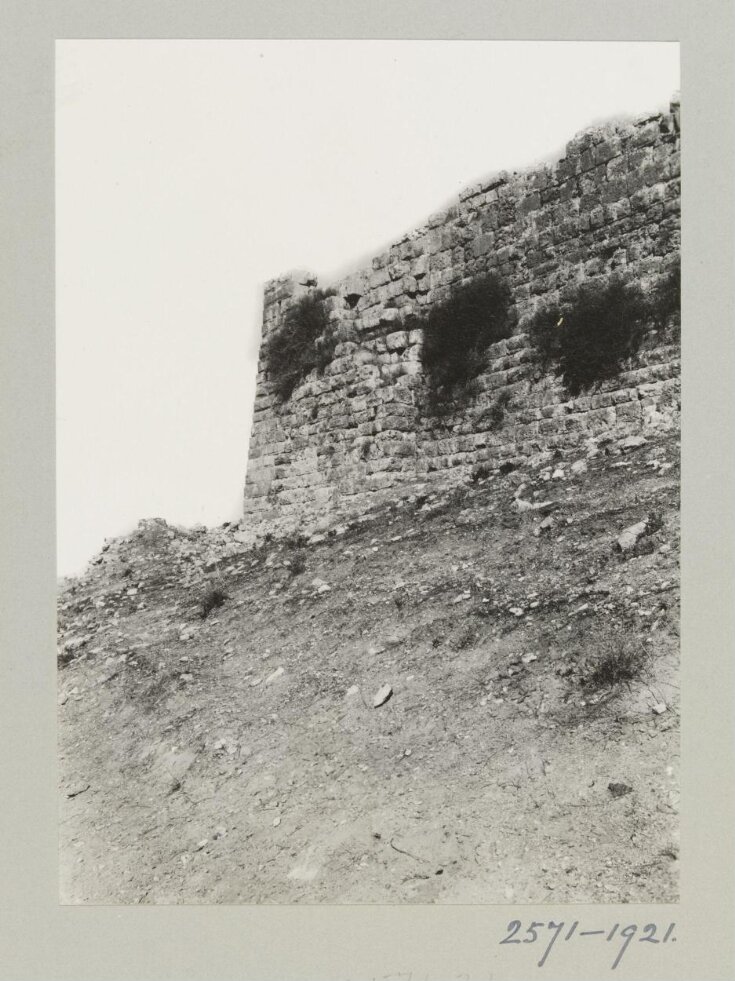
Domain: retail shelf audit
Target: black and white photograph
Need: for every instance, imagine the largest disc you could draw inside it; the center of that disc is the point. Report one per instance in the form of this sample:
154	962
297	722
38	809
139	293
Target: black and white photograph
368	406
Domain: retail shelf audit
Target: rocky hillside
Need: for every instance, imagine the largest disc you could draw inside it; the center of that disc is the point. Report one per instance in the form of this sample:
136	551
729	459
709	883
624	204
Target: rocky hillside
467	696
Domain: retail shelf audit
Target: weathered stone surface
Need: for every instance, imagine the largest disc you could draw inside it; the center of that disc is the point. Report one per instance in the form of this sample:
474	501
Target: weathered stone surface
361	430
630	537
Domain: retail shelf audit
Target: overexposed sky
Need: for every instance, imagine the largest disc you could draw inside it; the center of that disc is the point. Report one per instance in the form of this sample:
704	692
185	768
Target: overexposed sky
188	172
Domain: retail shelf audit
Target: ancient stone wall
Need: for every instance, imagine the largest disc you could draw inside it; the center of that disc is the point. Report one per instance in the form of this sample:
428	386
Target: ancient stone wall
359	432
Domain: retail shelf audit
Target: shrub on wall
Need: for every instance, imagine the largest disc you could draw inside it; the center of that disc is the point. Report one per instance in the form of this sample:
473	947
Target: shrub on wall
666	298
457	333
305	341
588	337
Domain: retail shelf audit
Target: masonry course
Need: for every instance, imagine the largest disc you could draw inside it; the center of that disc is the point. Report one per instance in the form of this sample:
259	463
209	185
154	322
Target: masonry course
360	433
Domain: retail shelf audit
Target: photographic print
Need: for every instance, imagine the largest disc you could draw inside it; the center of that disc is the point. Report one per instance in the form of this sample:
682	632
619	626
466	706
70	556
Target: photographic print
368	433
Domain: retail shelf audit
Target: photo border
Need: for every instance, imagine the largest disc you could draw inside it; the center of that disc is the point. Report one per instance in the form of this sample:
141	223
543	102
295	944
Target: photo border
41	939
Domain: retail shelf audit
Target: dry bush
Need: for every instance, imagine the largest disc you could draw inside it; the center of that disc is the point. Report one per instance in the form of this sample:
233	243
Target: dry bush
212	600
457	334
616	662
589	336
304	342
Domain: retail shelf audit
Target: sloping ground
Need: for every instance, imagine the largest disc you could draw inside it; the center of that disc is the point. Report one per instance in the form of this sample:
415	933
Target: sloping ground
528	750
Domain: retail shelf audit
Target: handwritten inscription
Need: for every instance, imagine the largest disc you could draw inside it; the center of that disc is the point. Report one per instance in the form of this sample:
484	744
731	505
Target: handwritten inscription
620	937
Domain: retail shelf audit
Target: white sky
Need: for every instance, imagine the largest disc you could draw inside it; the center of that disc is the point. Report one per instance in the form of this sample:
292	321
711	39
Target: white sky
188	172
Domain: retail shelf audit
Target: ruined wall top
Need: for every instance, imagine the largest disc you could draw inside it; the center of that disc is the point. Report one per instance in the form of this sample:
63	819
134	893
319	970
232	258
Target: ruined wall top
622	154
358	429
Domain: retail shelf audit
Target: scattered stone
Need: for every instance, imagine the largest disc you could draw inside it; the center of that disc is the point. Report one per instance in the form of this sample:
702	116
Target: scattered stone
382	696
276	822
352	690
522	505
632	443
74	644
579	467
202	844
529	658
274	677
375	649
244	537
630	537
558	474
546	525
659	708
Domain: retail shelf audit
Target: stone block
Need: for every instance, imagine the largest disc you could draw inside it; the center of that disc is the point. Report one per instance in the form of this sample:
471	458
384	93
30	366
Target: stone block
396	340
379	277
441	261
389	317
531	202
629	412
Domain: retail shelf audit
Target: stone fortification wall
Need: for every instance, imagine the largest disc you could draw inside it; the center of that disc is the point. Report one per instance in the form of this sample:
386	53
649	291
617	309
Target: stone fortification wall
359	432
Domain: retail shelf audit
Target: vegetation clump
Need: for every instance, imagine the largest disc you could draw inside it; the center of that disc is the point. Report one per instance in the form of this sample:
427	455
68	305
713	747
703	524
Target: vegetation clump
479	473
458	332
600	325
297	562
616	665
212	600
296	540
304	342
588	337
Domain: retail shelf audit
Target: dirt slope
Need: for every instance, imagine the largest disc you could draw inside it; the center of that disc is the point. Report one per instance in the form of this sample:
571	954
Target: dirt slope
528	750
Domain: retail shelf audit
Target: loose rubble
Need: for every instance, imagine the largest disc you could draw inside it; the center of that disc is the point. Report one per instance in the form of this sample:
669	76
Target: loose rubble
463	689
